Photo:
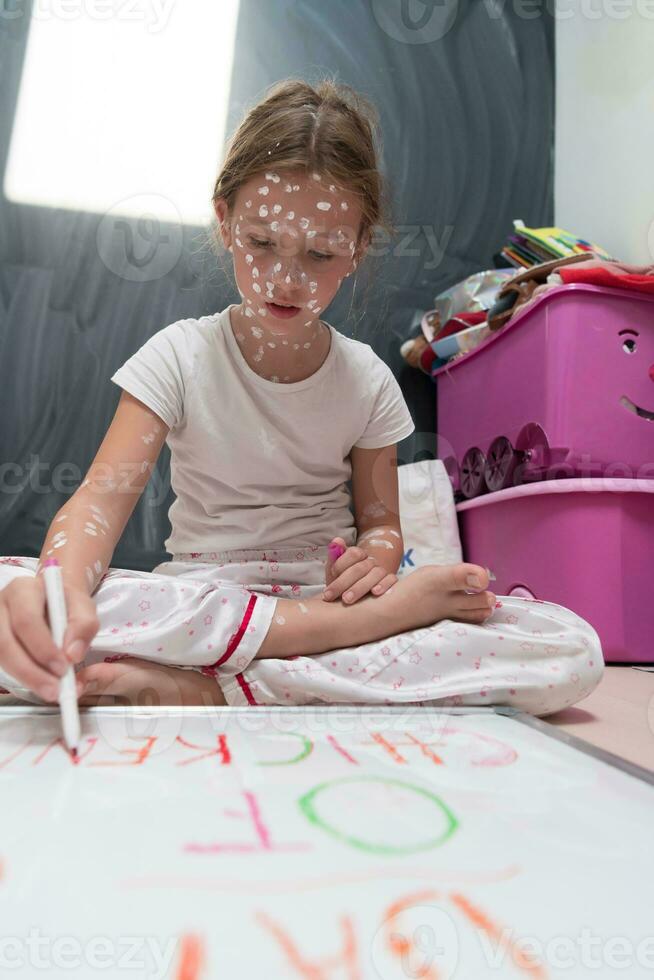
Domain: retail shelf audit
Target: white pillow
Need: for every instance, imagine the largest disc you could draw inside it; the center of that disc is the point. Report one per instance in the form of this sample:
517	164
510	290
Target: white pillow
427	516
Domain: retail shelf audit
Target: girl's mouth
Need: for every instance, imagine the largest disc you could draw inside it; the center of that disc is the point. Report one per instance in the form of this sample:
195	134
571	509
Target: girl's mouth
282	312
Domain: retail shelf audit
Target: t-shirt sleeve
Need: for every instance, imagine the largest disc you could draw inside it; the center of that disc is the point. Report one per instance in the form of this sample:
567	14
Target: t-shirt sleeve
158	373
390	420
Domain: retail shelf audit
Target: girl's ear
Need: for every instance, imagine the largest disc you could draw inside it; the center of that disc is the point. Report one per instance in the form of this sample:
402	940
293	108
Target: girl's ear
360	250
224	224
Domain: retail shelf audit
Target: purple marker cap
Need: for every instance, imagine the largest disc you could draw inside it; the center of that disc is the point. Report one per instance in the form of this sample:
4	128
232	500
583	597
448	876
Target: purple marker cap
50	561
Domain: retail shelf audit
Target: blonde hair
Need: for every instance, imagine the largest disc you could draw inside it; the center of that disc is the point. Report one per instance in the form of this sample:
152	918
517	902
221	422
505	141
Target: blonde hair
328	129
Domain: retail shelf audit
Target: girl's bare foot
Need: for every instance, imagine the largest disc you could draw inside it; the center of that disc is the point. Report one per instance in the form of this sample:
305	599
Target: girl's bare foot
141	682
422	598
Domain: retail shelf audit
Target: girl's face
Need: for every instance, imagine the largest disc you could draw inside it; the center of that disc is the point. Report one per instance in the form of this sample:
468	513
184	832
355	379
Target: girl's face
293	237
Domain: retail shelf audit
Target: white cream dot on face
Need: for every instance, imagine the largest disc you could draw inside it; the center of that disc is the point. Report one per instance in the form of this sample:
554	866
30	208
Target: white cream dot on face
304	223
303	608
256	332
296	187
308	344
262	311
259	354
255	272
395	534
248	311
323	206
315	177
249	259
295	346
263	190
288	189
277	208
239	242
313	286
290	215
98	566
256	287
274	225
277	267
263	211
271	344
248	204
344	206
274	177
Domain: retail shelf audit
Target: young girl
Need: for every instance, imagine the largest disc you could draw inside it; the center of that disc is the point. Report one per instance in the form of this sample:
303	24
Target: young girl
268	411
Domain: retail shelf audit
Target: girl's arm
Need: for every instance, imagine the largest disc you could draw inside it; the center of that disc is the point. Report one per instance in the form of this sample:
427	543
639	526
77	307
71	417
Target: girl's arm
375	497
86	530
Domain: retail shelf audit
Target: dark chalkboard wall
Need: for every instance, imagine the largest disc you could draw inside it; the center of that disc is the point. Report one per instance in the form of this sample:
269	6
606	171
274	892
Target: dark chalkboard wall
466	97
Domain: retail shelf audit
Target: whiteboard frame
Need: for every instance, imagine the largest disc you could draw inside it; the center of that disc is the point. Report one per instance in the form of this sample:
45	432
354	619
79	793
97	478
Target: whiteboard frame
523	717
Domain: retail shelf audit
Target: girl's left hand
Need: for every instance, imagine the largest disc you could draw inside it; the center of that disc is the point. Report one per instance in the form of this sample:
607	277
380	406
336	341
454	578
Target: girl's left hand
352	573
131	680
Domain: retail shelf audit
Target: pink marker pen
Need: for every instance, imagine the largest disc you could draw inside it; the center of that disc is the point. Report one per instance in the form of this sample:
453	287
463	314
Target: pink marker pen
335	551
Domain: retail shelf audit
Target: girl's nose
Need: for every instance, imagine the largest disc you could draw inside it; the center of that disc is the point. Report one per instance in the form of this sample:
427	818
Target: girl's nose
289	272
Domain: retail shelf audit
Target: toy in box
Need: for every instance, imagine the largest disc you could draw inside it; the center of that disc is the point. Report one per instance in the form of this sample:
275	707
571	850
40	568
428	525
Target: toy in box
565	389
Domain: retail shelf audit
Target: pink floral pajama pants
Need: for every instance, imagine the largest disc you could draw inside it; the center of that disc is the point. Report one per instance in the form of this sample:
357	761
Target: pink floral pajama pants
211	611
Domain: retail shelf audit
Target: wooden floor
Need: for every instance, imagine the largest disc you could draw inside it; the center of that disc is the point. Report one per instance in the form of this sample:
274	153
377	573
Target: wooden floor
618	716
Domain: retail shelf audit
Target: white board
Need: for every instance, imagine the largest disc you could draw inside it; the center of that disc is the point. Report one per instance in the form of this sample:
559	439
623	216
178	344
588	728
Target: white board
320	843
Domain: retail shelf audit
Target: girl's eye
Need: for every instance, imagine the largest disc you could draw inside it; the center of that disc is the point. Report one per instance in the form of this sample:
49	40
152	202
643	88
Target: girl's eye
629	346
260	243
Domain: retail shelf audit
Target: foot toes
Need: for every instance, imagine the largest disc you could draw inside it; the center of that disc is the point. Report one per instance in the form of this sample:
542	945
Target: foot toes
468	577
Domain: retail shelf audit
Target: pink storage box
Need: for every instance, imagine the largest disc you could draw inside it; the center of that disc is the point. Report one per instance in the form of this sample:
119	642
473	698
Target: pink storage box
565	388
586	544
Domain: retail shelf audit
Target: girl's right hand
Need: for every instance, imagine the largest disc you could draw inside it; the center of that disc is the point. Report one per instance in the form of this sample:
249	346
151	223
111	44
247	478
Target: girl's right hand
27	650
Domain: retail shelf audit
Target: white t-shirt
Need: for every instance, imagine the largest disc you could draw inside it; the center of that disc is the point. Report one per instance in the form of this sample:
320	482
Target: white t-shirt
259	464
